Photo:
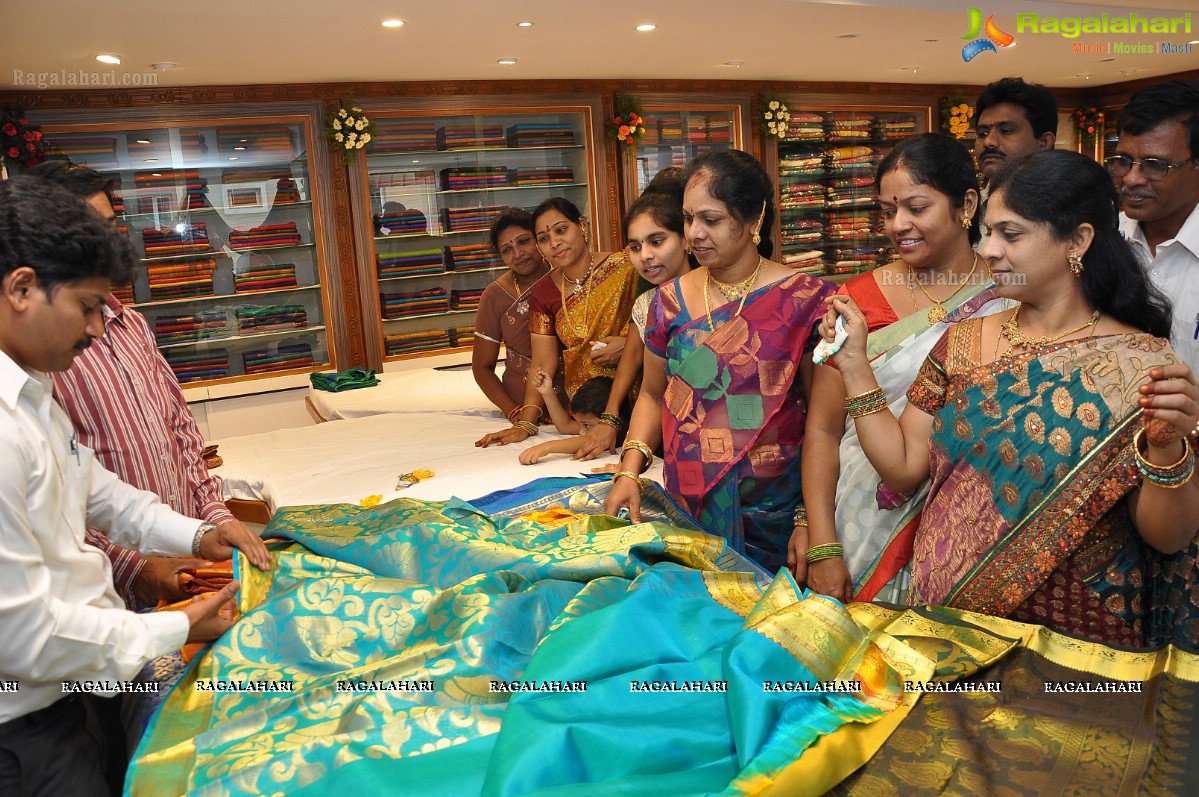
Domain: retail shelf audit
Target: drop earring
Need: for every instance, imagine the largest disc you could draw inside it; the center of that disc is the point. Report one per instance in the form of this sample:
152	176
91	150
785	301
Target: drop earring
757	239
965	219
1075	261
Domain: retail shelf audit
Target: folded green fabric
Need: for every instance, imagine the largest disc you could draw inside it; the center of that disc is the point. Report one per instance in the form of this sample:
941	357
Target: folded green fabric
349	379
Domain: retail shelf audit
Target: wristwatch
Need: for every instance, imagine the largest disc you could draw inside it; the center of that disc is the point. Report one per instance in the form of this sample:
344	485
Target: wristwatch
200	532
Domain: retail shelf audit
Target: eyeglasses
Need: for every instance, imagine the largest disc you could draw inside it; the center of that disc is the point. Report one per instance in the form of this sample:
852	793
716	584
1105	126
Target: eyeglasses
1152	168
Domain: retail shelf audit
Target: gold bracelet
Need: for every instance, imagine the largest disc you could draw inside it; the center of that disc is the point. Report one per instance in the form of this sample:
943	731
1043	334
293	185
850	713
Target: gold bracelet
529	428
867	403
628	474
1170	477
640	447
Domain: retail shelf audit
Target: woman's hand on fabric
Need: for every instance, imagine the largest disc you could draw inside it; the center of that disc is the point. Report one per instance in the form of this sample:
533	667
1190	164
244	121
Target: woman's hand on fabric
797	554
609	354
831	577
625	494
503	437
853	351
1170	400
599	440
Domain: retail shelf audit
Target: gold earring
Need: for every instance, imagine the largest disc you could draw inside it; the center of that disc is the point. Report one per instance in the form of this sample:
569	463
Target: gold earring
965	219
758	230
1075	261
687	247
586	237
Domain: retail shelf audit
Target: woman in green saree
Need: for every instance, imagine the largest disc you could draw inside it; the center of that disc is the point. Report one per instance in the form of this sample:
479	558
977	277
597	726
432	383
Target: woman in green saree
1046	495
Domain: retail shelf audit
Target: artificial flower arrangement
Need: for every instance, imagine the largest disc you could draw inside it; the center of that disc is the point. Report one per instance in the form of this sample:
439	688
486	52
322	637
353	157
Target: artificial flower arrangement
348	128
628	125
956	114
1088	121
21	143
776	119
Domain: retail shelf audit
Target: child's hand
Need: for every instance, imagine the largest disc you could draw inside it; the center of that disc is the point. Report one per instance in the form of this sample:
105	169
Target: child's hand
531	456
543	383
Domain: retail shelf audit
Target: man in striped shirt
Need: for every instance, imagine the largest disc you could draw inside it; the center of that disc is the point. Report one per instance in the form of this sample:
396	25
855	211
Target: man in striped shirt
126	404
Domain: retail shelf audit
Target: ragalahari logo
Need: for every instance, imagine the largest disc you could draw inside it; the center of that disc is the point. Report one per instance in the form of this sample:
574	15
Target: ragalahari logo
995	37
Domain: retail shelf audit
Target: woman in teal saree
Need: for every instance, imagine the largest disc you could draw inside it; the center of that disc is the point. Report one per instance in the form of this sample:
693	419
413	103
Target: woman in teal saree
1045	497
727	368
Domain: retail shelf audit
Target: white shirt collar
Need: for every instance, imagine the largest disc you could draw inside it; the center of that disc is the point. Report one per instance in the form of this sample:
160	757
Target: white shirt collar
14	378
1188	234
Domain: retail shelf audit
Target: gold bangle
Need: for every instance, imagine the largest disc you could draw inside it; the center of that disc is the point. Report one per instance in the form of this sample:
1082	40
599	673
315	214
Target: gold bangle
628	474
867	403
641	448
1169	477
529	428
801	516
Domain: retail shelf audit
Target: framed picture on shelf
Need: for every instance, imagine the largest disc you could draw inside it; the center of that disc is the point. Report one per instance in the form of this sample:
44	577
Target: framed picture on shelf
247	197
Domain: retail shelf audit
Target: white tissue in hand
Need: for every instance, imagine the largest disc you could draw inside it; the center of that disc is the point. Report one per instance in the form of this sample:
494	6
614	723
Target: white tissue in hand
824	349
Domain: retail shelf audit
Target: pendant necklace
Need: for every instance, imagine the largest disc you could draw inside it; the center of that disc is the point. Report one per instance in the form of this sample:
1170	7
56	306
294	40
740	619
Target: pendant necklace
937	312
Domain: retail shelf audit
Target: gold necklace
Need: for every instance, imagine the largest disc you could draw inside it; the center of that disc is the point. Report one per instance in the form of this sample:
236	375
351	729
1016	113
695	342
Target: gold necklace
1011	330
938	312
735	290
745	287
586	278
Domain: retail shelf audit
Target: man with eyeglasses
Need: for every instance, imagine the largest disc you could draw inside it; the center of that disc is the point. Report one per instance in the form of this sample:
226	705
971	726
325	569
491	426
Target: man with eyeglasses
1156	170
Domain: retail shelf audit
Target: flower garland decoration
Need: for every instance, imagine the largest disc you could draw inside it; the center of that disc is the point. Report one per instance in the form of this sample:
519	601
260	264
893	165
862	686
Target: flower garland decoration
1088	121
776	118
21	143
956	114
348	128
628	125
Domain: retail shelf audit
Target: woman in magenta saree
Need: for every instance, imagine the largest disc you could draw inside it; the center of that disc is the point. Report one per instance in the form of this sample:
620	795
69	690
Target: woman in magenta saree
727	365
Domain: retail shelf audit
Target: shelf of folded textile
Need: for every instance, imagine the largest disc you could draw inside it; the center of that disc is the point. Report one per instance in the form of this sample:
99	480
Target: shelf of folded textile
829	218
229	229
430	186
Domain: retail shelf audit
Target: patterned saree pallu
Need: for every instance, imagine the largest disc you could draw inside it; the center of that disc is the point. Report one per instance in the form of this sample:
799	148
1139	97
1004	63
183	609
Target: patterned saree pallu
428	648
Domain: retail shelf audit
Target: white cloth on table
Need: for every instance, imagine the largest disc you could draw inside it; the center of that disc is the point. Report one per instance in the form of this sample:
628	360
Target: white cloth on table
346	461
422	390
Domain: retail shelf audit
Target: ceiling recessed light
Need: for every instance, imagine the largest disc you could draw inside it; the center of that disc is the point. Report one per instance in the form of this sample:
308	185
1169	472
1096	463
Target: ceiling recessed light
506	61
416	161
392	23
646	28
105	58
524	24
736	63
232	157
163	65
143	141
239	149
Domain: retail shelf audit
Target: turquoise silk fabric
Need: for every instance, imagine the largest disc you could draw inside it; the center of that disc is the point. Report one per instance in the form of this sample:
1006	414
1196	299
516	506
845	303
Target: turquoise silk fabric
441	594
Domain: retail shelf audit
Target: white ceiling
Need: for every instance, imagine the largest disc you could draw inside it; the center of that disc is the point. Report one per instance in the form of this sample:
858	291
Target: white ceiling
301	41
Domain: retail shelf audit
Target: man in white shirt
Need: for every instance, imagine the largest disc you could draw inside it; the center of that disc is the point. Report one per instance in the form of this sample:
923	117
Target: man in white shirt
61	620
1156	169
